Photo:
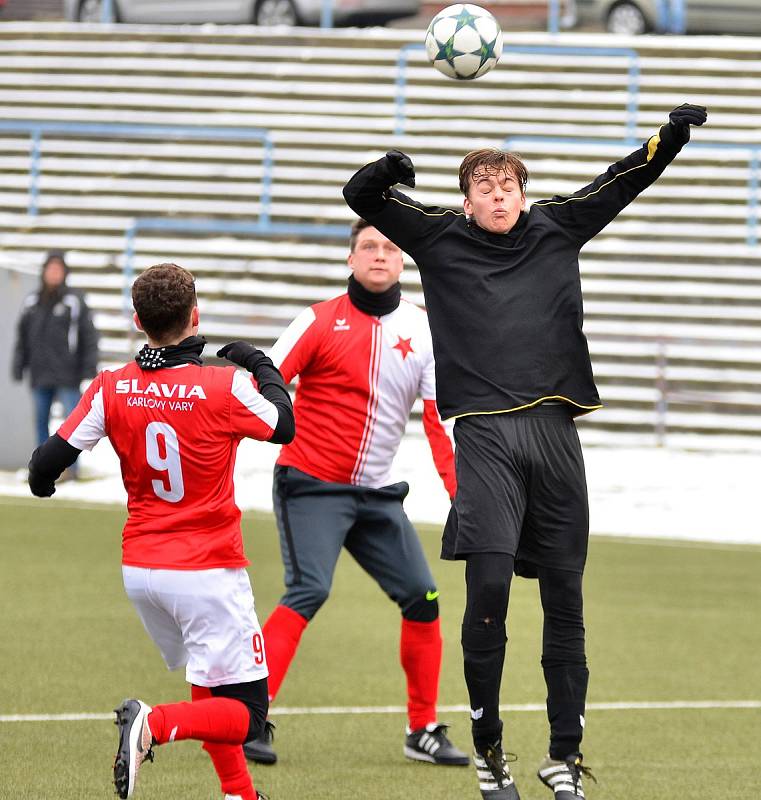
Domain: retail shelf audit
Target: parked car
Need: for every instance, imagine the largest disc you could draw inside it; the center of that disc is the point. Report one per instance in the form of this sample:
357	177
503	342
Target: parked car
259	12
700	16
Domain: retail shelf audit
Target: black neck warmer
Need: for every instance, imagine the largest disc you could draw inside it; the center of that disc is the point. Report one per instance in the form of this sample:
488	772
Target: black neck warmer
376	304
188	351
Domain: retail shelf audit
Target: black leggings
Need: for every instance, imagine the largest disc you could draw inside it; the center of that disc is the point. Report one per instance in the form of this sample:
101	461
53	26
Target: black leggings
484	637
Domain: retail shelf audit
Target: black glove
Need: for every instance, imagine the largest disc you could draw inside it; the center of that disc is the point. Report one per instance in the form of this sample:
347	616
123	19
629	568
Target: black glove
41	487
400	168
681	118
243	354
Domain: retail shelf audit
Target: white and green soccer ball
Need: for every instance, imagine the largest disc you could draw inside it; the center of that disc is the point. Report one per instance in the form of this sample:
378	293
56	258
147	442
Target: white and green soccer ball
464	41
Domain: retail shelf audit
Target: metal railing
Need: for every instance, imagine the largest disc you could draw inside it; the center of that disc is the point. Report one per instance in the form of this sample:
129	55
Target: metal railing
262	226
209	225
38	129
631	55
754	165
666	393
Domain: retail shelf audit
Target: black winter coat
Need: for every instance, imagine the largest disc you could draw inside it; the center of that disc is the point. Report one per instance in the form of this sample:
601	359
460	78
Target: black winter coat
56	341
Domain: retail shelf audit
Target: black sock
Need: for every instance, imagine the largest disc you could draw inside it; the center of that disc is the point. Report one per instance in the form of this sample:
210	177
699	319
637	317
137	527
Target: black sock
484	638
566	699
484	656
563	659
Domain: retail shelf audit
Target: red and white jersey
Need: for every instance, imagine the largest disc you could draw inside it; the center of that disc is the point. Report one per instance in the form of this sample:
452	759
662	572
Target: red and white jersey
176	432
359	376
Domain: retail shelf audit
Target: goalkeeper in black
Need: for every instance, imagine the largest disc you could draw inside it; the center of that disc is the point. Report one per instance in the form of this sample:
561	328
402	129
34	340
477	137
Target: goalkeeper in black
503	295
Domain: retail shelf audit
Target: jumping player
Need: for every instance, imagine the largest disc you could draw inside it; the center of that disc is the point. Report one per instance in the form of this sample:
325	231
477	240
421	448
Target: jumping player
503	295
175	426
362	359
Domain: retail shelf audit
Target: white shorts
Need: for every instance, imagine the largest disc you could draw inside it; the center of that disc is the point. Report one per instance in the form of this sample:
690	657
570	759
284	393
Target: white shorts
203	620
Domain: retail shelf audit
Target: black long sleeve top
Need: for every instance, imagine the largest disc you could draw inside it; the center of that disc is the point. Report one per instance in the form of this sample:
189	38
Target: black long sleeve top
506	310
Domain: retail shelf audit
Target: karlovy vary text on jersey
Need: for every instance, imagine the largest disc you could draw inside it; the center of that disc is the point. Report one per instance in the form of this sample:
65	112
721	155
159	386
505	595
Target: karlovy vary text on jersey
172	396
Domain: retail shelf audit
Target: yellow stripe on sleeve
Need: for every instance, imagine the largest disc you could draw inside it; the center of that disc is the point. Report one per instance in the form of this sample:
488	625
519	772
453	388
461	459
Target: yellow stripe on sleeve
652	145
428	213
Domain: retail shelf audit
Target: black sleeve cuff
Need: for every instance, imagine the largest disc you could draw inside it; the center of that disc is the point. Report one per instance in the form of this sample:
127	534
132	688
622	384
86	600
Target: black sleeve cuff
272	387
48	461
674	137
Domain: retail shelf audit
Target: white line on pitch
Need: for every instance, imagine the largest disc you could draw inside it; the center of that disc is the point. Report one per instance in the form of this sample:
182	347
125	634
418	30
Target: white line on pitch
311	710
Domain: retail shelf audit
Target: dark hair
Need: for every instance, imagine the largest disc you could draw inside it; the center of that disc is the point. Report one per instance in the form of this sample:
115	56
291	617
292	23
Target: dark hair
491	161
55	255
163	298
358	226
51	294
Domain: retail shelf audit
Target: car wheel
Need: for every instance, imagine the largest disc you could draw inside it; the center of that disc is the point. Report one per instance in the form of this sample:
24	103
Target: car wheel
275	12
627	18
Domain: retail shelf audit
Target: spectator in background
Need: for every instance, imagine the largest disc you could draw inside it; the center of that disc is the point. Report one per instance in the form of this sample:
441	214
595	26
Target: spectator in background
56	343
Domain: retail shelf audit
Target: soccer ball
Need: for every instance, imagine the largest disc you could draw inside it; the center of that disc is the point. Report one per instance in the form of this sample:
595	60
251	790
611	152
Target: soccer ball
464	41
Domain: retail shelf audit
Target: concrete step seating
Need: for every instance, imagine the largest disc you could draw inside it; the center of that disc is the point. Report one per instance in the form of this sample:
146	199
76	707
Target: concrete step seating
666	268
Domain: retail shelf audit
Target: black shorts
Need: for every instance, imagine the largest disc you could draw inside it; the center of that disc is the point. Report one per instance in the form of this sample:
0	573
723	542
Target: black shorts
521	490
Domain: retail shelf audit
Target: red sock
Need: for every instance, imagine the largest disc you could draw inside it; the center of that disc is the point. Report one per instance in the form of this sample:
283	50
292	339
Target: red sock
282	632
420	651
230	764
228	759
215	719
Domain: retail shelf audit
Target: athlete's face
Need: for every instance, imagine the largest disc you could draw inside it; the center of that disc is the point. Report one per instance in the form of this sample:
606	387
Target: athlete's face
376	261
494	200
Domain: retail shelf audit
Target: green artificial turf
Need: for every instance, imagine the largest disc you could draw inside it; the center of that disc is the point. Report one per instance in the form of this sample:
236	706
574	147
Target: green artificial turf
666	622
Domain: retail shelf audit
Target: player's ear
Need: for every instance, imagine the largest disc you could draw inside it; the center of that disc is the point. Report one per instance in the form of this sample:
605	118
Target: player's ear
467	207
195	317
136	320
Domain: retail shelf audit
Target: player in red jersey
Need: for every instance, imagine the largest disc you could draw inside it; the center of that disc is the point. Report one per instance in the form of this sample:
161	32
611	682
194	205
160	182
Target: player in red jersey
362	359
175	426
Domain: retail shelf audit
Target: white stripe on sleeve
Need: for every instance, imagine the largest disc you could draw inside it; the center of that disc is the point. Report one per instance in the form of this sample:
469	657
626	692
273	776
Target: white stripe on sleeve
287	341
92	428
243	390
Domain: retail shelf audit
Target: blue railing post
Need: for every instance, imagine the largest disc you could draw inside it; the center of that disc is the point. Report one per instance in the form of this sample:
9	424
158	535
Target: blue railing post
662	401
633	104
553	16
753	198
401	92
401	86
267	169
326	14
34	171
129	268
107	11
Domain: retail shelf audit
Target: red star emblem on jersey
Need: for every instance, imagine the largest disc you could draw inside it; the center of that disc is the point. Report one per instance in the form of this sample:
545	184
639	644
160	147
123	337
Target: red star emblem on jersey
404	347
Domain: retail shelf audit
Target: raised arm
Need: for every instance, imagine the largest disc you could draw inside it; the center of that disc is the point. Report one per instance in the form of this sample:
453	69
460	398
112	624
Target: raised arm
258	404
370	194
586	212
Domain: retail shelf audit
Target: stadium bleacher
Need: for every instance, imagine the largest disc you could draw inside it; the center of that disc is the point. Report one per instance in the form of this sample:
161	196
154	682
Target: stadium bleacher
672	288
